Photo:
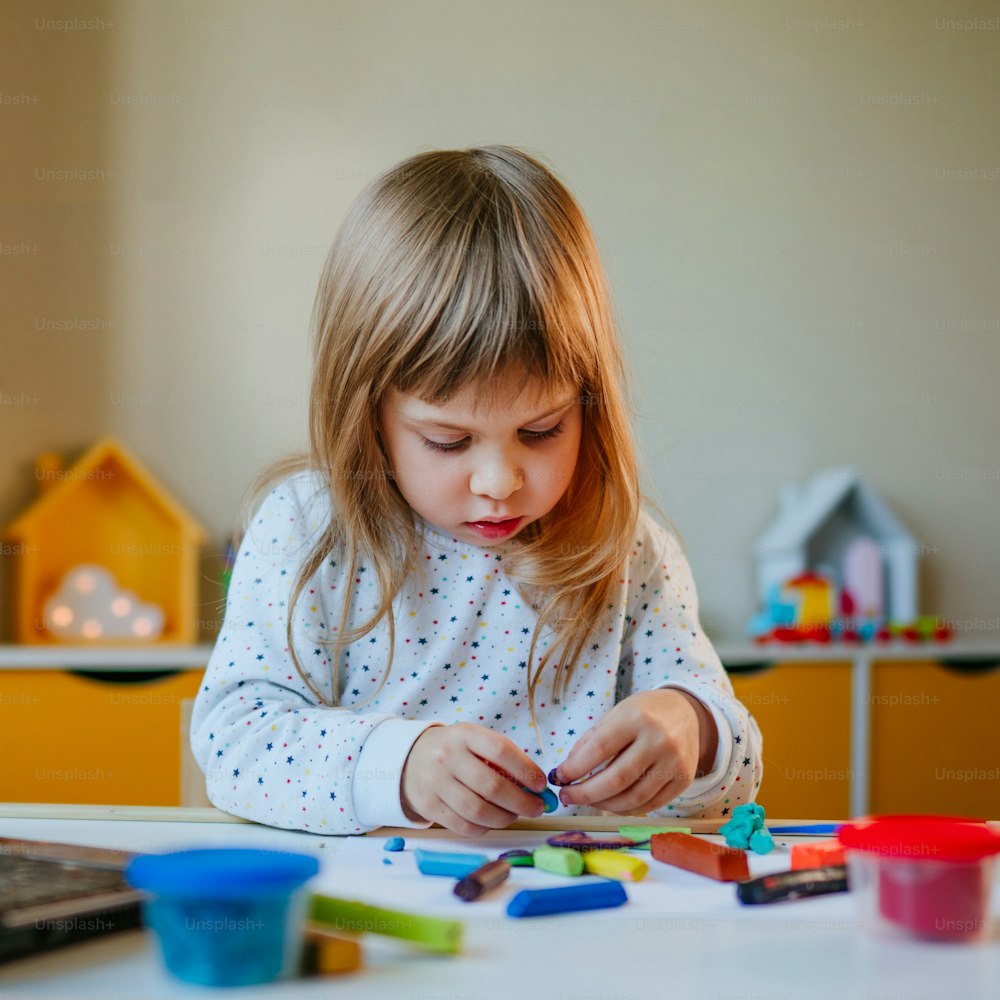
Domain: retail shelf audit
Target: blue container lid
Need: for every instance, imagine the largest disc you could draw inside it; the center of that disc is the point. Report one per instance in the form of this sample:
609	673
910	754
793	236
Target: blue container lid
221	872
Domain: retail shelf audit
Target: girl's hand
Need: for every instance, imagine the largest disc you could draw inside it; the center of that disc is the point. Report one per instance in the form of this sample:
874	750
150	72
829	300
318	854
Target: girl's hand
469	779
654	743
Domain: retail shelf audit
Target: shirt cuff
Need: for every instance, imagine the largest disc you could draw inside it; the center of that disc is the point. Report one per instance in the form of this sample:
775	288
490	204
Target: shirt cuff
375	790
723	751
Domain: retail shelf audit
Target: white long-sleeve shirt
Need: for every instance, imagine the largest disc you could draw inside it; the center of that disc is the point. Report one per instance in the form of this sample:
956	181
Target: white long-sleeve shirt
272	753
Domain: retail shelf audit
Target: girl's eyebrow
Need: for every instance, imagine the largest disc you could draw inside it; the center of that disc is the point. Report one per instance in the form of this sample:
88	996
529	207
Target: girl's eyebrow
444	426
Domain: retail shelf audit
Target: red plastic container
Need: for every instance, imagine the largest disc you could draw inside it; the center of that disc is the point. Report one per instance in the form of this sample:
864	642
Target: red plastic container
926	876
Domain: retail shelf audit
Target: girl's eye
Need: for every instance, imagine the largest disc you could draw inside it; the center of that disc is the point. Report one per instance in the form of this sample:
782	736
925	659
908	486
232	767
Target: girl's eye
445	445
551	432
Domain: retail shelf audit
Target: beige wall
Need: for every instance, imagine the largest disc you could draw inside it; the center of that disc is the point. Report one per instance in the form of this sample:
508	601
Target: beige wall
798	205
56	190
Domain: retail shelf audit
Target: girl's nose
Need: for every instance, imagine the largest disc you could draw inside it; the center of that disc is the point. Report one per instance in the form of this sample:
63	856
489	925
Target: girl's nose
496	479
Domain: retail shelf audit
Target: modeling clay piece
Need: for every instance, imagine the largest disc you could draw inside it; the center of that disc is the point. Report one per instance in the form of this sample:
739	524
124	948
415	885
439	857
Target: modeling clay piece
814	829
518	858
394	844
743	829
614	864
568	898
448	863
780	886
818	854
725	864
483	879
641	834
554	779
560	860
325	953
761	842
550	802
584	842
737	834
348	916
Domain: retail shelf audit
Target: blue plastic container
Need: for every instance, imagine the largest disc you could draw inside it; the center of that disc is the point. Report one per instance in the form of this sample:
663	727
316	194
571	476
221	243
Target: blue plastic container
226	916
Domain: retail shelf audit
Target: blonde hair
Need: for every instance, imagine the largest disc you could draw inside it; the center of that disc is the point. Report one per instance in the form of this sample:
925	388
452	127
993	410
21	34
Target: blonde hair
458	268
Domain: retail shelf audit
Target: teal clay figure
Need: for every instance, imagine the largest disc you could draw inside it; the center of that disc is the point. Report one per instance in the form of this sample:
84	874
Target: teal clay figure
746	829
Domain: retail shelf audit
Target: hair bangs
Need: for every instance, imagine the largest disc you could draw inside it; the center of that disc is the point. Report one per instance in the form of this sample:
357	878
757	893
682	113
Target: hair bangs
496	321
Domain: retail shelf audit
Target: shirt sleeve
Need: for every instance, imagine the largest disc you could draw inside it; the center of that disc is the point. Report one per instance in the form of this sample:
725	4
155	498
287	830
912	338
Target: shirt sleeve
665	646
272	751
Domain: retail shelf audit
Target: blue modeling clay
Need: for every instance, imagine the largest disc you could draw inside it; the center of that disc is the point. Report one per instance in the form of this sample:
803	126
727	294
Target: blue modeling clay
761	842
737	836
567	899
746	829
451	863
549	800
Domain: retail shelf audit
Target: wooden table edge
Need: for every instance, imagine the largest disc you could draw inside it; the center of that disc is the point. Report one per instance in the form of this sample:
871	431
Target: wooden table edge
209	814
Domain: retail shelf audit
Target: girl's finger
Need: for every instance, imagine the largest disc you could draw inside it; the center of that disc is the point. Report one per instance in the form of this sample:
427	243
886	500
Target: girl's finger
497	786
621	775
626	804
445	816
473	808
662	780
606	740
498	751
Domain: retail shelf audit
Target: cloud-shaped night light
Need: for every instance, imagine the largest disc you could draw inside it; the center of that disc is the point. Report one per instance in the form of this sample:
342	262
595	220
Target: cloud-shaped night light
90	604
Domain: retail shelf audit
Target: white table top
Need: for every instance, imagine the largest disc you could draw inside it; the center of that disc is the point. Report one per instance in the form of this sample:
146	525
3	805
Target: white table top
686	938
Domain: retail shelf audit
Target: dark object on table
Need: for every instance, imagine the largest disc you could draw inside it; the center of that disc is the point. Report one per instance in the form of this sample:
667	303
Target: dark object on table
56	894
795	884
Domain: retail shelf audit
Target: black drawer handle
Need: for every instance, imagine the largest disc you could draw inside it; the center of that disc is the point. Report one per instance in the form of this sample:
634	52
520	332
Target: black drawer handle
749	667
970	666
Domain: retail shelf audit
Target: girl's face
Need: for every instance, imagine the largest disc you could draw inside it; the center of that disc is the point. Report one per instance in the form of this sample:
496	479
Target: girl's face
481	473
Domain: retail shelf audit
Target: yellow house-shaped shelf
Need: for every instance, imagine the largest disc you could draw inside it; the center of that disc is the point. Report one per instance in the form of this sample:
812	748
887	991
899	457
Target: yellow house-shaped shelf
107	510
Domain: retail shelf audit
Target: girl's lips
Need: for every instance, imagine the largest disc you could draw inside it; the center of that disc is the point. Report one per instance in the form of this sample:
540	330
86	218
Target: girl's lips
495	529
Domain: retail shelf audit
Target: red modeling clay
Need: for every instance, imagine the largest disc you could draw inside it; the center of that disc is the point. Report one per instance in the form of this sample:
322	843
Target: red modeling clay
703	857
817	854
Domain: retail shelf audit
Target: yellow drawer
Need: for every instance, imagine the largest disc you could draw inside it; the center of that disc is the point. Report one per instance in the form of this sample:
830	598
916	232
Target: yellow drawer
71	738
933	745
804	714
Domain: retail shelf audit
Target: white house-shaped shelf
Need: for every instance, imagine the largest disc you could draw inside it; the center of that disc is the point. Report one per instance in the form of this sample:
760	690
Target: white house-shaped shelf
818	524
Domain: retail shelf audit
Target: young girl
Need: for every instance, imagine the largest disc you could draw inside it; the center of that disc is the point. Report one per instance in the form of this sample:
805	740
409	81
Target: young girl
455	595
